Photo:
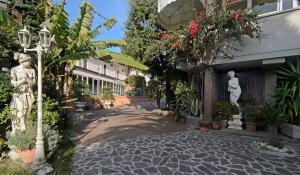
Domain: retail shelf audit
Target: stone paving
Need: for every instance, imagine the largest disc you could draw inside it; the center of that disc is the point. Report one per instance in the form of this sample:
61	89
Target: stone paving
186	153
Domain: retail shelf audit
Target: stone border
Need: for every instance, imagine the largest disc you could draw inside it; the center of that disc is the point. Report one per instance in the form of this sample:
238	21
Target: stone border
273	153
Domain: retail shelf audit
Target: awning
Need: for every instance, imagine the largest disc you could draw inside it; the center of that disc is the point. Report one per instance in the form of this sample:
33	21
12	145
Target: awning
175	13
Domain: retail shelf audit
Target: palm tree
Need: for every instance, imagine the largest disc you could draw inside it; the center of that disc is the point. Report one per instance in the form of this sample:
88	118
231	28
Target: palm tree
76	42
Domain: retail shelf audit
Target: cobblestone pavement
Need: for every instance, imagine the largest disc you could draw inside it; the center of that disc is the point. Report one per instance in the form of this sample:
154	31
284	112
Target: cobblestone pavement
188	152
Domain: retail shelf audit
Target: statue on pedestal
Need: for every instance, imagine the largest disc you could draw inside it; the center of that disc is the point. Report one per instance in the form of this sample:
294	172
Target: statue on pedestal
235	93
234	88
22	79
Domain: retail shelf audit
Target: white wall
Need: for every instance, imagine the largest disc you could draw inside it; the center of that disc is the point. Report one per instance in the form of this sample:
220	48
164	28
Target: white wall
282	31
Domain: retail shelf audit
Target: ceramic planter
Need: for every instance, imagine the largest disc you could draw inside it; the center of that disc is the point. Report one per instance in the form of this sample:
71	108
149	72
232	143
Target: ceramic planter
27	156
215	125
251	126
290	130
191	122
224	124
203	126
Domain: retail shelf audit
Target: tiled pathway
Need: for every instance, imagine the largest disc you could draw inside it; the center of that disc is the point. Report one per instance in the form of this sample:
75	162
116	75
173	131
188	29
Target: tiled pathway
188	152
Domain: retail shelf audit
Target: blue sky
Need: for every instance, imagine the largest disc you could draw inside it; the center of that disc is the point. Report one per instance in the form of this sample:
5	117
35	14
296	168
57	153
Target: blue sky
107	8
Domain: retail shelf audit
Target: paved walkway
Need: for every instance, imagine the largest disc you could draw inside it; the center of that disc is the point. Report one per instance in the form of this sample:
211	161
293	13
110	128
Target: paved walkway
183	152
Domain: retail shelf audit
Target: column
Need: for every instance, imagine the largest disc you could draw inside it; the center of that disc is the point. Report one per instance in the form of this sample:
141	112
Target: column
210	93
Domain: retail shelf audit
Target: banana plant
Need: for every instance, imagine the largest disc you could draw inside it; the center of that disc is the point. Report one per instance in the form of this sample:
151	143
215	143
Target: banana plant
76	42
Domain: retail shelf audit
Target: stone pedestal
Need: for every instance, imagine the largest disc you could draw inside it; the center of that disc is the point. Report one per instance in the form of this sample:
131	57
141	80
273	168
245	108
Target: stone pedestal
236	123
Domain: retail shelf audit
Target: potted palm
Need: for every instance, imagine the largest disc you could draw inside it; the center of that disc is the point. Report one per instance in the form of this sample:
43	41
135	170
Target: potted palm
23	142
250	117
215	124
107	97
224	110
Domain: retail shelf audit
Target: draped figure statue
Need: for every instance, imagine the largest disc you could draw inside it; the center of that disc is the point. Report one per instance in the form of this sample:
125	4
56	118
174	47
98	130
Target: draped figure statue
22	79
234	88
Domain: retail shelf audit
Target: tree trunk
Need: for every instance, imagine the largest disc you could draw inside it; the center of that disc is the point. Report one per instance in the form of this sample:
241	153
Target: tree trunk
69	82
168	88
158	97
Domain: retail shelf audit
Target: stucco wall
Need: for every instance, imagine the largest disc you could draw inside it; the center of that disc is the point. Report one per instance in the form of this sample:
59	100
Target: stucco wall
282	30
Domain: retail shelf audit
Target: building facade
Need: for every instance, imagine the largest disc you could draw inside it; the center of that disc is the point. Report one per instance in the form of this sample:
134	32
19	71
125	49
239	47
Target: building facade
98	74
256	62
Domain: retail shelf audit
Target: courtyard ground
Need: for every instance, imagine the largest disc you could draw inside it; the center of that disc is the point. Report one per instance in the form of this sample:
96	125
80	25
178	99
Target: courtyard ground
133	141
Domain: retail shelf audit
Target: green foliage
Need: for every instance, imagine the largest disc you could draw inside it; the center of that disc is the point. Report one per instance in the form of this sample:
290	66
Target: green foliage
188	103
287	94
9	167
180	87
142	30
22	140
6	90
80	90
248	98
211	32
272	115
249	112
107	94
52	137
155	89
216	118
5	114
51	112
225	109
136	81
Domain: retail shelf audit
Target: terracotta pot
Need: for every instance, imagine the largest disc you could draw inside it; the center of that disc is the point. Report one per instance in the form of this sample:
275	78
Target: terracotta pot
250	126
27	156
215	125
203	129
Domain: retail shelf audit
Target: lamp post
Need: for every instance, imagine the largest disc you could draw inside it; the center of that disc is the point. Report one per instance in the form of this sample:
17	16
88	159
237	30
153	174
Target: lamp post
42	46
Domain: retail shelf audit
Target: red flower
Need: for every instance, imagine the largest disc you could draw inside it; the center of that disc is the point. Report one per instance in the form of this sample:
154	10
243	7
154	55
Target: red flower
177	44
236	16
194	27
166	36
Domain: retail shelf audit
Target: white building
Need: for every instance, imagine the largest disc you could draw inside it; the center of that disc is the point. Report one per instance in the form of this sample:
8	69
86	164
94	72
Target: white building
256	61
99	74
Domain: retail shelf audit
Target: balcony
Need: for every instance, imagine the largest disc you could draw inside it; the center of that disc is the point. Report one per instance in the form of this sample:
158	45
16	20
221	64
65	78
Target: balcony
175	13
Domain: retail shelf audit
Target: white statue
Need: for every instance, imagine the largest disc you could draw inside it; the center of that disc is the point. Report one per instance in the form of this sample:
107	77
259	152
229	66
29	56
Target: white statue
234	88
22	79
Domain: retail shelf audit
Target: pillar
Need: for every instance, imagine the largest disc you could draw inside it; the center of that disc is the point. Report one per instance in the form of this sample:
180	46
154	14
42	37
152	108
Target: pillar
210	93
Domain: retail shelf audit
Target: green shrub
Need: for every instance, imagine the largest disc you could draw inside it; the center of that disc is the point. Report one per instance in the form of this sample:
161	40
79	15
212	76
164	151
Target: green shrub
107	94
52	139
6	90
136	81
249	112
51	112
272	115
216	118
224	109
5	114
188	103
22	140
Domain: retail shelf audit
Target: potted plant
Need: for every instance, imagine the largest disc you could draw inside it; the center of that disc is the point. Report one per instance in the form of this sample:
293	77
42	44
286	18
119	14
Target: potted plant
287	97
215	124
249	112
224	110
107	97
189	106
273	117
23	142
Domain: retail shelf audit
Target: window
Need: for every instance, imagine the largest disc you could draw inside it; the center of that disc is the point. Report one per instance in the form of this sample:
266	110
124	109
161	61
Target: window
104	69
265	6
85	64
287	4
95	87
236	4
91	85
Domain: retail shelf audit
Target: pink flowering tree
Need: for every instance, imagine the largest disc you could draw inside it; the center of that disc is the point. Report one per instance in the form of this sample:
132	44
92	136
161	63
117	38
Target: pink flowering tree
213	30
